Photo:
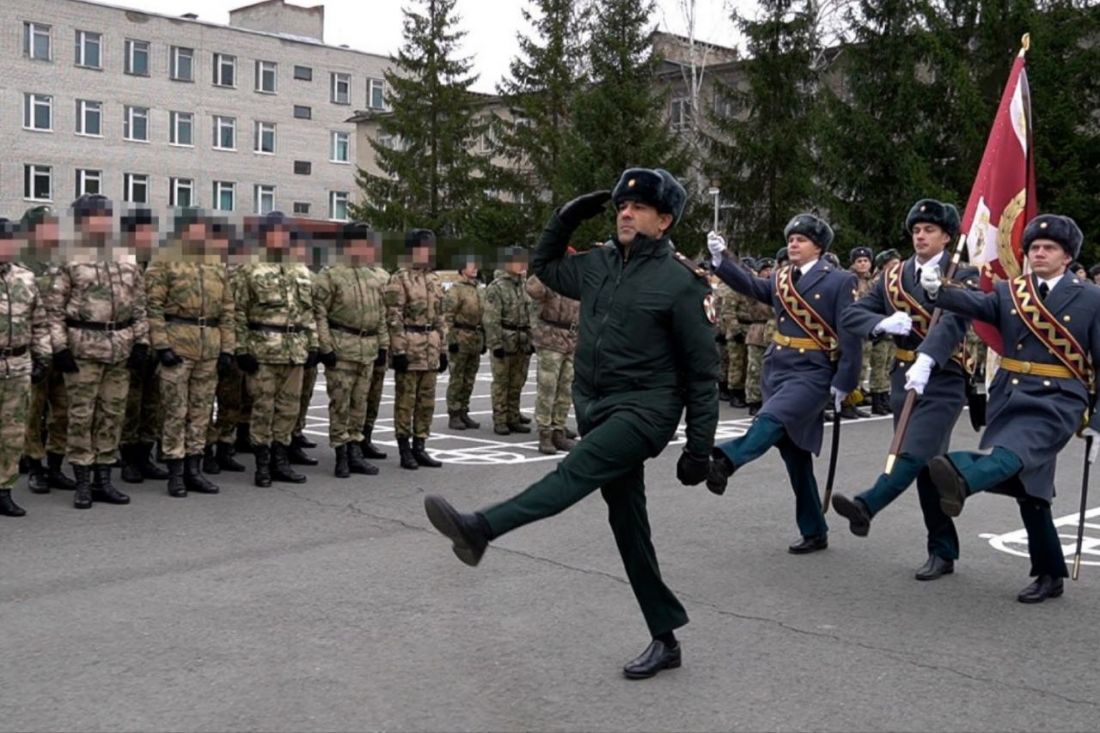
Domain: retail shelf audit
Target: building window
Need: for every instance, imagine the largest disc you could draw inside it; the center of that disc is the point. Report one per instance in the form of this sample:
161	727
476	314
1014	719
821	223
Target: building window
37	181
38	112
338	205
303	73
301	208
680	117
88	47
265	77
36	41
137	57
135	188
340	89
340	147
181	128
225	70
135	124
88	181
225	195
265	198
303	112
303	167
265	137
181	192
225	133
376	93
89	116
182	63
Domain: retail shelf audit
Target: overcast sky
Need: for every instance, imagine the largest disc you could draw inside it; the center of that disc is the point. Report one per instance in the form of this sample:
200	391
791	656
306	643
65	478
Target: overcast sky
491	25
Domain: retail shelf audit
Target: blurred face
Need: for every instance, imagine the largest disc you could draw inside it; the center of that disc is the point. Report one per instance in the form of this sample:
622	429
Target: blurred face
801	250
422	255
636	218
1047	258
99	224
358	250
46	235
515	267
470	270
143	239
1096	278
928	240
765	272
277	239
862	265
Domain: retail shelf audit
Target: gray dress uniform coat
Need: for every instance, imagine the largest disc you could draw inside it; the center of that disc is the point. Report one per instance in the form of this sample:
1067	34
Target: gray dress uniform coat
796	384
1034	416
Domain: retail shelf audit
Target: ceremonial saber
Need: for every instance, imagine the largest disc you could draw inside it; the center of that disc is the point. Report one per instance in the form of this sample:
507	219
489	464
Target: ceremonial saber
1084	500
832	463
911	396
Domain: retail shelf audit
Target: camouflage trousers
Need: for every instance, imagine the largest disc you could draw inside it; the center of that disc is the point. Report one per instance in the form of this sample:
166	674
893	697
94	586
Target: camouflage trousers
509	375
754	373
14	403
724	363
881	357
464	366
736	375
414	403
555	389
234	407
143	413
276	391
348	385
374	397
187	392
47	415
97	406
309	381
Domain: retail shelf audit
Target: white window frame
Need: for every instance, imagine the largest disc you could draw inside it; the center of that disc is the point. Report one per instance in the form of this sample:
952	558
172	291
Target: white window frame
338	80
175	120
221	187
132	47
380	85
337	197
86	175
175	185
220	61
259	192
263	67
84	107
32	171
174	56
220	122
32	100
83	40
334	146
258	128
130	113
130	182
680	117
31	31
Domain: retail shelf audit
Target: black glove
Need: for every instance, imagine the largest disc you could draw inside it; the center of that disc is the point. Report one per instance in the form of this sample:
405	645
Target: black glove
139	354
499	353
692	469
442	363
39	370
720	338
248	363
64	361
583	208
168	357
380	360
453	348
328	359
313	358
400	363
739	338
531	349
225	363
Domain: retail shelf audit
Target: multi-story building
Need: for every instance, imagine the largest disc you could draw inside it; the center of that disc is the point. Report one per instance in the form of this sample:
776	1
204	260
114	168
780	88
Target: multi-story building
169	111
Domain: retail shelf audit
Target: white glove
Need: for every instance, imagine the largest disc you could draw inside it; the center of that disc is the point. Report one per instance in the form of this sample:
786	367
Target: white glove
717	246
839	396
930	280
1090	433
916	378
898	323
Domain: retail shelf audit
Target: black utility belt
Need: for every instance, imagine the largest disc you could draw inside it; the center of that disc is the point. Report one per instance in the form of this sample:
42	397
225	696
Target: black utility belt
201	322
353	331
419	329
99	326
7	353
515	327
275	328
464	327
559	324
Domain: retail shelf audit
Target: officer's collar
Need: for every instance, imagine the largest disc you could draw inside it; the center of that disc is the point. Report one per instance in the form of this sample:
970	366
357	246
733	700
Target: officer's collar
645	246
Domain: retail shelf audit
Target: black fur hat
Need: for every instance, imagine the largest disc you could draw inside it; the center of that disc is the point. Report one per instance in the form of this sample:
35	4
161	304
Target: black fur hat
781	256
417	237
355	230
1094	271
816	229
89	204
885	256
858	252
930	211
764	262
654	186
137	218
1060	229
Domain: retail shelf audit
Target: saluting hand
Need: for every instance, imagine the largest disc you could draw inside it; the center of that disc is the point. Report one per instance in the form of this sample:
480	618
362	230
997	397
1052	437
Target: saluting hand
716	243
583	208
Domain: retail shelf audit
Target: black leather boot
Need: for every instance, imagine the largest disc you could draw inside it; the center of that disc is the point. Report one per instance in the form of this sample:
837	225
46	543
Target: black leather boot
421	456
280	466
58	479
737	399
131	472
244	439
370	450
263	465
656	657
880	403
38	478
82	498
296	455
145	464
102	488
226	461
407	459
299	440
176	487
9	508
469	533
456	422
356	462
471	423
341	470
193	478
210	461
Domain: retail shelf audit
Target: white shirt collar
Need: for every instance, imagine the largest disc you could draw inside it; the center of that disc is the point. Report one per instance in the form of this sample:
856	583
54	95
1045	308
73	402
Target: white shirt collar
932	263
1051	282
808	266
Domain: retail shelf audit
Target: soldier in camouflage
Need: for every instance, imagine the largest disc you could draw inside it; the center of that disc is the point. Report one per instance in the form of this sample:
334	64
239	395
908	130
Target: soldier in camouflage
734	333
374	401
414	315
882	350
554	321
721	292
296	451
276	338
462	313
507	323
99	335
760	327
350	309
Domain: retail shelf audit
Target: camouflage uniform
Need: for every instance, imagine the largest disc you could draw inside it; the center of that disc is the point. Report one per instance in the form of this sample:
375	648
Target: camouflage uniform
760	320
734	332
863	286
721	293
554	323
234	405
49	404
462	312
414	315
507	319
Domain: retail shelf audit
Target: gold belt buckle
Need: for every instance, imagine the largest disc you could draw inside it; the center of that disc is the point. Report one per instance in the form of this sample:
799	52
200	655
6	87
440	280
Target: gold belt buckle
1025	367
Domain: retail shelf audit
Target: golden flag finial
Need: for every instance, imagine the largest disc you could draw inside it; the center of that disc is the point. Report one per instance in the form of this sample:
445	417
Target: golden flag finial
1025	43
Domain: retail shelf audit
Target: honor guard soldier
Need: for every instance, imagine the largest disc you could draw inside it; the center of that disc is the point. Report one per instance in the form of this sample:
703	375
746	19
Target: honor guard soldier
349	305
645	352
414	315
463	308
554	335
1043	393
276	340
507	322
99	336
813	362
933	362
760	320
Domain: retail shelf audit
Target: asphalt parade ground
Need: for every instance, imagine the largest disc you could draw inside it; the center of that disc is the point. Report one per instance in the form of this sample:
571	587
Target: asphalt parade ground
334	606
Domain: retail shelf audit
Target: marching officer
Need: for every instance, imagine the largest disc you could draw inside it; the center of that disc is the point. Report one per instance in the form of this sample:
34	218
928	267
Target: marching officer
634	378
1043	392
760	320
462	312
507	322
554	335
349	305
414	315
812	362
99	336
931	362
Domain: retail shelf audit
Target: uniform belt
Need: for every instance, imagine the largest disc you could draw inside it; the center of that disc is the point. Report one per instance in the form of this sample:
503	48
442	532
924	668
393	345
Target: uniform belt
559	324
353	331
514	327
275	328
420	329
1056	371
905	355
201	321
9	352
99	326
464	327
802	344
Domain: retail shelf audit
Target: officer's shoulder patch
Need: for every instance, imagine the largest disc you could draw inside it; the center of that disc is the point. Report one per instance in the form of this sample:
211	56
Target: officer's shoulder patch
699	272
709	309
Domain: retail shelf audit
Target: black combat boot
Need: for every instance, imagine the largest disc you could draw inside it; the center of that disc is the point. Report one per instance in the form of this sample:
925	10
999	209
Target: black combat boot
407	459
58	479
299	440
23	467
131	472
193	478
210	461
516	426
296	455
263	465
421	456
546	442
737	399
102	488
456	422
754	407
148	469
38	478
82	499
561	442
244	439
522	419
280	466
9	508
880	403
471	423
226	462
341	470
356	462
370	450
176	487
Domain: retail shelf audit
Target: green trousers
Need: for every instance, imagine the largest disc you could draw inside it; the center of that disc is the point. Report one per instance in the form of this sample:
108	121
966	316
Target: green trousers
943	540
610	458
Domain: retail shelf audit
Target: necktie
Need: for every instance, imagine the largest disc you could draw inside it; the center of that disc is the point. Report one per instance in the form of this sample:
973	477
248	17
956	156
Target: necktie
795	274
1044	290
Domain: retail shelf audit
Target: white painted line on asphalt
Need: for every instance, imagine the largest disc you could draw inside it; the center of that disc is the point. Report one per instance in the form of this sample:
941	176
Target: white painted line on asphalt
1015	542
